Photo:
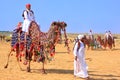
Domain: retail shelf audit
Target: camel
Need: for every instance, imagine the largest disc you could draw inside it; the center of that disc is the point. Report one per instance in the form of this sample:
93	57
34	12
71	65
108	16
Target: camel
38	46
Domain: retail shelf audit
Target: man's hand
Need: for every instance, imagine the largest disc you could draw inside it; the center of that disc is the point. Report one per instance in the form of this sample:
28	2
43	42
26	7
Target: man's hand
76	58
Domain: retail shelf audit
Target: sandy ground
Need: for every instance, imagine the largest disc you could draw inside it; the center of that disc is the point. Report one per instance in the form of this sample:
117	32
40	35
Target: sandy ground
104	65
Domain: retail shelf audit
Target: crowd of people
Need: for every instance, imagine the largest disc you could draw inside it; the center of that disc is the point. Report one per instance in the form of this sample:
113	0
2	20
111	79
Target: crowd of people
108	33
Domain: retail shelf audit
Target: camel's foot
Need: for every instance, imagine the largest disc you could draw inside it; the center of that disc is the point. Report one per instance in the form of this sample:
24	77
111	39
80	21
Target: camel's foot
43	71
25	62
6	66
28	69
21	69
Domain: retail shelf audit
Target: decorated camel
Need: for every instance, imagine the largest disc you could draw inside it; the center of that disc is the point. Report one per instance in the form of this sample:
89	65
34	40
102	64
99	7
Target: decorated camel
106	42
37	45
89	42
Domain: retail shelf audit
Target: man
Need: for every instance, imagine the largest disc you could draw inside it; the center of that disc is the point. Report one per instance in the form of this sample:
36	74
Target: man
28	16
109	32
16	40
106	35
19	25
80	66
91	37
16	31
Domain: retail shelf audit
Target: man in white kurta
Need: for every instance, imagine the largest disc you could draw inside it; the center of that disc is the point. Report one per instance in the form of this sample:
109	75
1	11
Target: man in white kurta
80	66
28	17
110	34
91	35
106	35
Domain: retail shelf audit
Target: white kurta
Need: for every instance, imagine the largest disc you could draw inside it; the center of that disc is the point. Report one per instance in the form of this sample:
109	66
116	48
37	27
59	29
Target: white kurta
106	35
91	35
80	66
28	17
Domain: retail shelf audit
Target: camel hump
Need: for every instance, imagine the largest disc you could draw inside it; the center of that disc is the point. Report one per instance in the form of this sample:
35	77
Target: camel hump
34	31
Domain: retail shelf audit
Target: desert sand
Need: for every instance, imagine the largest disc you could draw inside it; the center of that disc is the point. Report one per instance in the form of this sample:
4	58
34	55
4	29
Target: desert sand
103	65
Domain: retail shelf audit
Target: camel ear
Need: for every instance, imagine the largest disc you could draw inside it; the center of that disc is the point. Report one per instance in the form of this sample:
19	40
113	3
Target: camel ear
65	24
54	23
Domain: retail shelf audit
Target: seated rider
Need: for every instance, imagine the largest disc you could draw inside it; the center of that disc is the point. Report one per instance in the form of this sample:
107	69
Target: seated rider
28	16
106	35
110	34
16	31
91	35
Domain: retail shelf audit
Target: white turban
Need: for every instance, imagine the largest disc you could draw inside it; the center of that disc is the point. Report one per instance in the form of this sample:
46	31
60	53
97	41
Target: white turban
80	36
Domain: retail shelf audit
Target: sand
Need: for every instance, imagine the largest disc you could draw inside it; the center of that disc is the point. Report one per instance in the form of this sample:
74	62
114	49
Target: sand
103	65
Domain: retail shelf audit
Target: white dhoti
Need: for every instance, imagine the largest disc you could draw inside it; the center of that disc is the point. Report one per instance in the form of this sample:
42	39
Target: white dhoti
80	66
26	24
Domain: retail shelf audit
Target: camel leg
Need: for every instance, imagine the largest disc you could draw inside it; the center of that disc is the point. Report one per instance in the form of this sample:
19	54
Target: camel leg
110	46
88	47
29	60
8	59
19	64
105	45
18	58
18	55
43	69
28	67
26	54
113	43
43	64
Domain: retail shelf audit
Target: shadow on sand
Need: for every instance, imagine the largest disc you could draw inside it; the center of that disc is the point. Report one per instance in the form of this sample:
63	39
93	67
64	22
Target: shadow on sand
57	71
106	77
63	71
61	52
114	49
103	76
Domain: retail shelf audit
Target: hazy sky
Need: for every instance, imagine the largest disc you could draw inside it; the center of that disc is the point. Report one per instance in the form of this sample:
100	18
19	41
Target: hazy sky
80	15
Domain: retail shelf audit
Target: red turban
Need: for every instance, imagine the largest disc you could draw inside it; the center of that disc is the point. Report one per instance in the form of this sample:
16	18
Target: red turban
28	5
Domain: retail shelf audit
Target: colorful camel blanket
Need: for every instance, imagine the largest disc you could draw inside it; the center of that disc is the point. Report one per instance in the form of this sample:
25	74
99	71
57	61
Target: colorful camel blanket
16	38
